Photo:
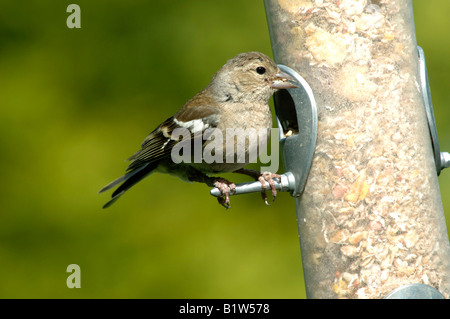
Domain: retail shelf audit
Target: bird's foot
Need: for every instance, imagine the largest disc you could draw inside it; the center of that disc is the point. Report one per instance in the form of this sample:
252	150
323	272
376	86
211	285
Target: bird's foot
268	177
226	188
263	178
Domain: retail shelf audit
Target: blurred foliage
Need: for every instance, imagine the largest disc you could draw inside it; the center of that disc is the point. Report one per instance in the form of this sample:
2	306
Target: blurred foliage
76	102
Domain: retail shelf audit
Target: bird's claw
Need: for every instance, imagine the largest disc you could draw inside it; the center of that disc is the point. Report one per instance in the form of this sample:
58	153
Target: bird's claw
226	188
268	177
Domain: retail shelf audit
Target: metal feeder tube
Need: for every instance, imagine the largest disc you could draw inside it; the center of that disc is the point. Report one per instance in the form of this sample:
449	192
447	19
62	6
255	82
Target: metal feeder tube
370	217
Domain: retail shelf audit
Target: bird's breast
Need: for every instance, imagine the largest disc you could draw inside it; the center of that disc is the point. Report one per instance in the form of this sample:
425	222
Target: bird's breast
241	136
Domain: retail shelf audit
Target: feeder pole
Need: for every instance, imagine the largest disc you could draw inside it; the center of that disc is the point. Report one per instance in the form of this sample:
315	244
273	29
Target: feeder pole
370	218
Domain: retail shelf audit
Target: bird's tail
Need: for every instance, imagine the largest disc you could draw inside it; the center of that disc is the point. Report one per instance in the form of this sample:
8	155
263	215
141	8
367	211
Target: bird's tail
129	180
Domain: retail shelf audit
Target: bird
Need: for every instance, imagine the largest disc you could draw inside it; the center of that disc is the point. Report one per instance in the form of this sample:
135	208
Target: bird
236	98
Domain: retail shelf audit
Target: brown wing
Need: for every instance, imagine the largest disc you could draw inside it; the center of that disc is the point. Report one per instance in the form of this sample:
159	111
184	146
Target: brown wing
159	143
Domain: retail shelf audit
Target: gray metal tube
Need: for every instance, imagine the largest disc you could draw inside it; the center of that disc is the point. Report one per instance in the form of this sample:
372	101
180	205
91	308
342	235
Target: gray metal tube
370	218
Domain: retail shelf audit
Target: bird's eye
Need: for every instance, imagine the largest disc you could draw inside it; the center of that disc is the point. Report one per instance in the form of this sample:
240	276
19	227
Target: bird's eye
260	70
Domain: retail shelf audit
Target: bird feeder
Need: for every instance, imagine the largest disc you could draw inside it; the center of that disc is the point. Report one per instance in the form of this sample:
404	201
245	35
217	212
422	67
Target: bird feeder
360	147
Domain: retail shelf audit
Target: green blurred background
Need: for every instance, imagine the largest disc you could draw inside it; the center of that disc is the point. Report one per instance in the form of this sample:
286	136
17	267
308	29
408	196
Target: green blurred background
74	103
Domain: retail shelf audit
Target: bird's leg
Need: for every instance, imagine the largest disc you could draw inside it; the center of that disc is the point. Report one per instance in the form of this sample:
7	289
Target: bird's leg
263	178
225	186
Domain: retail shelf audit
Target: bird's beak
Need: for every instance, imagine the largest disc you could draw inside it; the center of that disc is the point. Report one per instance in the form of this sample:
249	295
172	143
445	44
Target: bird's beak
280	81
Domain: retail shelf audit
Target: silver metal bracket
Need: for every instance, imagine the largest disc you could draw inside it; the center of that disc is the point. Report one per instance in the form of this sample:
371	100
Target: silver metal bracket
297	121
441	159
415	291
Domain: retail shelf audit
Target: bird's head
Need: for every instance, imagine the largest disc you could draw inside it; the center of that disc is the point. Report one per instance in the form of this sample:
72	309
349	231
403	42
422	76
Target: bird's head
250	76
